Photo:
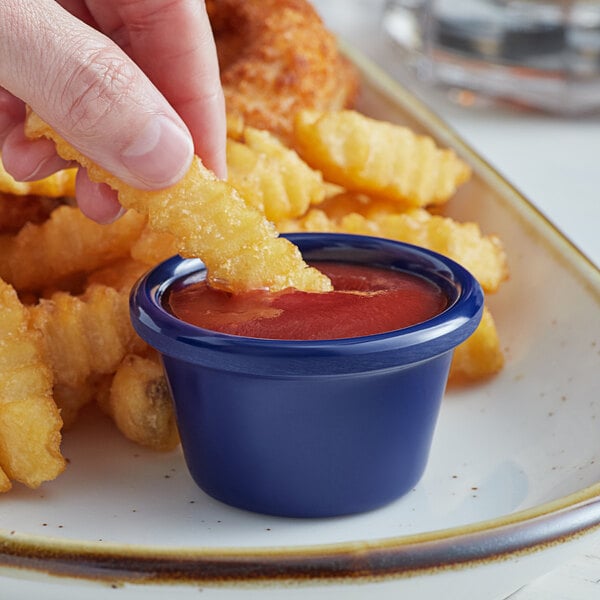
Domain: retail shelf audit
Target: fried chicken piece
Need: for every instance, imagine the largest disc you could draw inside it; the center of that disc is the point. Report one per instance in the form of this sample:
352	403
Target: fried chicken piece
277	57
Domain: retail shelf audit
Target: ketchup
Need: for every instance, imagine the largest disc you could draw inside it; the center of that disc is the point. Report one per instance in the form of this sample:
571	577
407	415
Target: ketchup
366	300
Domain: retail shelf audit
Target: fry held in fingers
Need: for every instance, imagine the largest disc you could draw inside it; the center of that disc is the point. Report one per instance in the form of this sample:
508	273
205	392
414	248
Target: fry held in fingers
211	221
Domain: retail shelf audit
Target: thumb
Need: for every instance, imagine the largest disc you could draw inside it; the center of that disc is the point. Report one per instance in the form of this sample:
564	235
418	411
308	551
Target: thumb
95	97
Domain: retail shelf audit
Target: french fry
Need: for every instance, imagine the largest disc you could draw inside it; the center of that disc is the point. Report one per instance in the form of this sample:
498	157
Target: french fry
210	220
378	158
30	421
463	242
66	244
120	275
272	177
70	399
85	335
480	355
139	402
153	247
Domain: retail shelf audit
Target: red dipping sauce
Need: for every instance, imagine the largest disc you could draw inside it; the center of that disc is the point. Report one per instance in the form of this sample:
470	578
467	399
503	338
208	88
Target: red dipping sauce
365	301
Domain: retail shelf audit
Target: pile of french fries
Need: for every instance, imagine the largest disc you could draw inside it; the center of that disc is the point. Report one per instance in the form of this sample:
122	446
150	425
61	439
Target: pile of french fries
65	335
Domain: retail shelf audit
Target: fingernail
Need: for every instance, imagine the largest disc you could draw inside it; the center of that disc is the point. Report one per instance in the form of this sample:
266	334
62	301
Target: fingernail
159	155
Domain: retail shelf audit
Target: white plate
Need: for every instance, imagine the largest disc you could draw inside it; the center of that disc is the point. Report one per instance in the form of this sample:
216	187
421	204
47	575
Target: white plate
510	491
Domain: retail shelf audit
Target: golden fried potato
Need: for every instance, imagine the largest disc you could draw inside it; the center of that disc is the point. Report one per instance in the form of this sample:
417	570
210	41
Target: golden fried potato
30	422
378	158
5	483
344	203
480	355
70	399
85	335
153	247
314	220
272	177
68	243
235	126
120	275
463	242
209	220
139	402
56	185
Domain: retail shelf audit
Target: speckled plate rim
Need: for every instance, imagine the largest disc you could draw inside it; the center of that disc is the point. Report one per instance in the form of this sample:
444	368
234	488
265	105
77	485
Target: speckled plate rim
523	532
403	556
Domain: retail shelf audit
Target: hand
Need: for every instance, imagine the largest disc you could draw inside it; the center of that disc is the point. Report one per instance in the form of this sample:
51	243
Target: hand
133	84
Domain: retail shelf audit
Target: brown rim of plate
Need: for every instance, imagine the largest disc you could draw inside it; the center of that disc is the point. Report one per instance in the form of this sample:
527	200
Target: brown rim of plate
388	558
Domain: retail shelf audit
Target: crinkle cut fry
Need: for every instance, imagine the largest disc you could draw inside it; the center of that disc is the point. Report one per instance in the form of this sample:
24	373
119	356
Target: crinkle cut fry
271	176
41	255
30	421
480	355
85	335
210	220
463	242
378	158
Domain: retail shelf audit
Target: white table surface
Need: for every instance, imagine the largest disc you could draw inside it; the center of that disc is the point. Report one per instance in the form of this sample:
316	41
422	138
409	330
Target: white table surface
553	161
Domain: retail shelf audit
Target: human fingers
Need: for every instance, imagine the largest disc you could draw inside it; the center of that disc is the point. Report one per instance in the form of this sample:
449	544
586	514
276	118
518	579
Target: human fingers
91	93
183	66
28	160
12	111
96	200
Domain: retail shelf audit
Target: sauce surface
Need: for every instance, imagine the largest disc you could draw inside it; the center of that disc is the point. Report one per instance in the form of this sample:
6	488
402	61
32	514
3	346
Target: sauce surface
366	300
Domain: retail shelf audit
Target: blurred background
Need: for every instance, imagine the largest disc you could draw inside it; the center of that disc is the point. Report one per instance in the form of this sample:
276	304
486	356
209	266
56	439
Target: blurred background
518	81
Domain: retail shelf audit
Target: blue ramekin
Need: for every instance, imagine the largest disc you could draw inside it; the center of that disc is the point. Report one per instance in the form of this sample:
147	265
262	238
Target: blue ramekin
310	428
